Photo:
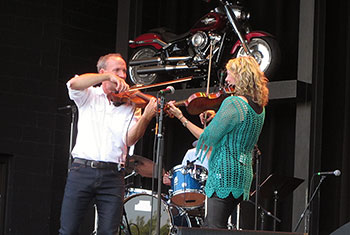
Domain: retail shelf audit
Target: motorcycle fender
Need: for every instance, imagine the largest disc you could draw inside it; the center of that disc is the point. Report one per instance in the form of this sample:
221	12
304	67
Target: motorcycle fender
249	36
148	39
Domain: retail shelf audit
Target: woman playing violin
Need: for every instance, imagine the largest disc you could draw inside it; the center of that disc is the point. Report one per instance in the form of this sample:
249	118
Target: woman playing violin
229	140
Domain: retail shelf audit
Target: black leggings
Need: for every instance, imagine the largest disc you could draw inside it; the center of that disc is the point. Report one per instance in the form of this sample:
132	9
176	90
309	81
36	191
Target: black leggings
218	210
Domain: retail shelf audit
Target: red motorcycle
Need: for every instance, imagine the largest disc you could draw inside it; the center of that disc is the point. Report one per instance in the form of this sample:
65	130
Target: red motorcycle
220	35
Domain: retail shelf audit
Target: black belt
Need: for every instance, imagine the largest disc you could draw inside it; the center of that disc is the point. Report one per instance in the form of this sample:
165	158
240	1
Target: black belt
99	164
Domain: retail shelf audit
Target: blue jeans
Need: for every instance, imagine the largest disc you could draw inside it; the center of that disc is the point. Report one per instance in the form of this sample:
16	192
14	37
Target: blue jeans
84	184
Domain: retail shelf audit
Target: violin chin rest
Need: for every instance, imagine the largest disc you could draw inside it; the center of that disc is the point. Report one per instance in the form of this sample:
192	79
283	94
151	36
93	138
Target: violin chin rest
117	103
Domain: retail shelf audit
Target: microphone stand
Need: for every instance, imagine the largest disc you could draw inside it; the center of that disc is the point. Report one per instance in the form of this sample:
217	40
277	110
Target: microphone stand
160	153
73	109
263	213
308	204
257	155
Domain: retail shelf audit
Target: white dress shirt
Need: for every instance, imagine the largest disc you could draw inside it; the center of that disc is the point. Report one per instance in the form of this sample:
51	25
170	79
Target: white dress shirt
191	156
102	127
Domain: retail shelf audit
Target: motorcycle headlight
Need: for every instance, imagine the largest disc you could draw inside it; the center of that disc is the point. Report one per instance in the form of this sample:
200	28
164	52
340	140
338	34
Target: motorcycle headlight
240	14
199	40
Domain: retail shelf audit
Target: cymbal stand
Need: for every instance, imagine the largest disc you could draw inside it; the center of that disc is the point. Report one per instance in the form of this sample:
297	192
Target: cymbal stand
308	204
159	158
124	228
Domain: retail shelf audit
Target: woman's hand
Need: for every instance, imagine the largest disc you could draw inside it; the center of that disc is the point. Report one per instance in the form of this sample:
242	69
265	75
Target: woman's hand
207	116
174	110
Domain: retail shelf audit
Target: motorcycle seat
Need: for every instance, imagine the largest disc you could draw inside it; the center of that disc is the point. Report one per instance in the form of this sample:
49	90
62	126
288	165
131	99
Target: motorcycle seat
168	35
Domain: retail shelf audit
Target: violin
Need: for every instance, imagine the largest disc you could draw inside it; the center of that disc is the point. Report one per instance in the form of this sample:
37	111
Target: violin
199	102
133	97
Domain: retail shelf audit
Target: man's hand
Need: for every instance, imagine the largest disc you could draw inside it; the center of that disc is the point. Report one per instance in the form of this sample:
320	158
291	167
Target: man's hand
119	82
151	109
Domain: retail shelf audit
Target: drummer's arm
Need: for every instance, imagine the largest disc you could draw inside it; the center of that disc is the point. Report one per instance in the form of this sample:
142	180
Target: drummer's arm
166	179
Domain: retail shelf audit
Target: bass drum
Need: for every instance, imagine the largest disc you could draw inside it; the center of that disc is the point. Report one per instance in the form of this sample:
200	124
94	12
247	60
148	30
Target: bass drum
138	210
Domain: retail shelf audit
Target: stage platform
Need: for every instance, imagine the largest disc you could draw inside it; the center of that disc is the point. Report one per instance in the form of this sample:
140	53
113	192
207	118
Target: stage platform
209	231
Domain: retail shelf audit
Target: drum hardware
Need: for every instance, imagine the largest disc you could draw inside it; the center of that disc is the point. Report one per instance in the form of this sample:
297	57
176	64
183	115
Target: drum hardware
134	191
131	174
199	221
125	228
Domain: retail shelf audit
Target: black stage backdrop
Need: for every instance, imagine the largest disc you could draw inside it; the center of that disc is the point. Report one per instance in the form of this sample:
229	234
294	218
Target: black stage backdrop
335	194
44	43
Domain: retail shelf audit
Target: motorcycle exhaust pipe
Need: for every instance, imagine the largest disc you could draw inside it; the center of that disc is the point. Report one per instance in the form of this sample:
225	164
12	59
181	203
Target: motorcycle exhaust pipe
155	69
178	58
156	60
152	60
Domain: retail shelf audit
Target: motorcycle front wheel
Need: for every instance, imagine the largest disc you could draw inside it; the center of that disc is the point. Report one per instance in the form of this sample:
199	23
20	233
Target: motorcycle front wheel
266	52
143	79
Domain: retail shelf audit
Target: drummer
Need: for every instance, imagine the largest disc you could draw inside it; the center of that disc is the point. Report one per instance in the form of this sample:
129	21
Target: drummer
190	157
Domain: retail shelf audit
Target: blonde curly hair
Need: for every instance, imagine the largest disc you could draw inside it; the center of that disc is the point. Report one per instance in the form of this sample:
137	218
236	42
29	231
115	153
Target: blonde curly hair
250	80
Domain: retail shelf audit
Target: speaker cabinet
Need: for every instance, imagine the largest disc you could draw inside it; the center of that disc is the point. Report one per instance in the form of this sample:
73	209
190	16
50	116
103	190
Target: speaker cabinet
343	230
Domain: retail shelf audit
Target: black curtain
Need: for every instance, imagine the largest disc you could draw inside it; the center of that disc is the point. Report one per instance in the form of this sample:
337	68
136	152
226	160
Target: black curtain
335	193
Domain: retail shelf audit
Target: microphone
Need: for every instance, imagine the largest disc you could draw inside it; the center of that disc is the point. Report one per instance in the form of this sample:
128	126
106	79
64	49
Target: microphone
336	173
169	89
190	164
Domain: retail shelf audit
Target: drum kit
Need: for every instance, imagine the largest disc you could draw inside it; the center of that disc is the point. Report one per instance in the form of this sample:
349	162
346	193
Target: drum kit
183	206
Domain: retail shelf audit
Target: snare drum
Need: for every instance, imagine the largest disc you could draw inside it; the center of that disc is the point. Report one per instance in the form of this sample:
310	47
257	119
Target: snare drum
187	185
138	210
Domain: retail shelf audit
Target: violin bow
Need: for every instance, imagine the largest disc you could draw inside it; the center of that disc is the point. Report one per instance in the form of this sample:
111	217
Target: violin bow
208	80
140	87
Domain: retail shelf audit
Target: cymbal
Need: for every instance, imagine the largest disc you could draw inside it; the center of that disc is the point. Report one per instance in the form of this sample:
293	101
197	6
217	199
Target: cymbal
141	165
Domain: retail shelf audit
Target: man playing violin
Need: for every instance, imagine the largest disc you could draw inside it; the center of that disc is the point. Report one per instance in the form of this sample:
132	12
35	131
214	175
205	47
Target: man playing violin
229	140
105	132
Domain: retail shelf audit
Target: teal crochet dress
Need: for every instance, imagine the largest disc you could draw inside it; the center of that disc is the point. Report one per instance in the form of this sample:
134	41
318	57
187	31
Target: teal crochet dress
232	134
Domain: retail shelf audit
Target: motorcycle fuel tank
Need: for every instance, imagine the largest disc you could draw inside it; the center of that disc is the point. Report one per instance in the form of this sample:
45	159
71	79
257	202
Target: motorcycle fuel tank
210	22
